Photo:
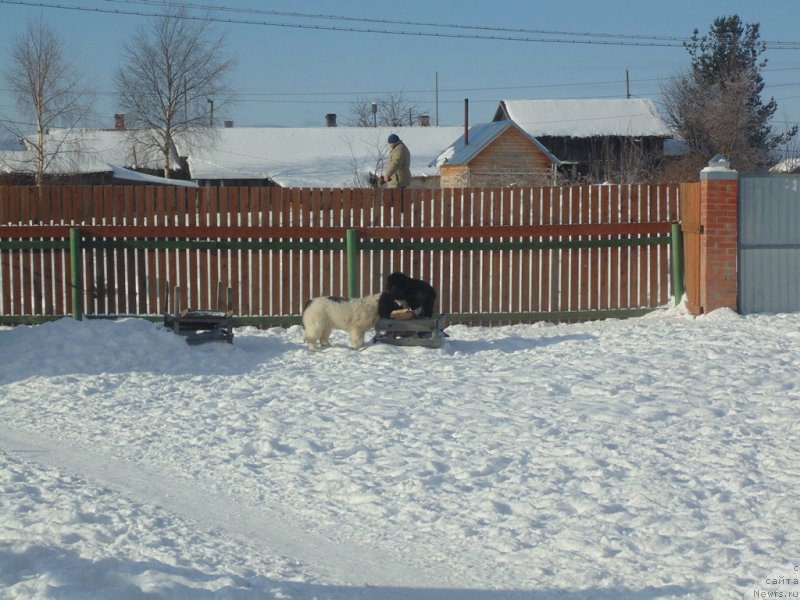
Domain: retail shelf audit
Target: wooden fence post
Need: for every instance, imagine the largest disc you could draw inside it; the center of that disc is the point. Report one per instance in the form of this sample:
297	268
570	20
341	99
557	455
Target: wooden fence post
76	281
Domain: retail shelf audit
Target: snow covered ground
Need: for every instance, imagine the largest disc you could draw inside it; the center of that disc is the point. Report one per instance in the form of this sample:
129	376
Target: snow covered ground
648	458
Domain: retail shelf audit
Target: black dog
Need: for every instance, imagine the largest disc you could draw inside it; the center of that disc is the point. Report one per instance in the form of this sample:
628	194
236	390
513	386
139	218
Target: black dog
387	305
417	294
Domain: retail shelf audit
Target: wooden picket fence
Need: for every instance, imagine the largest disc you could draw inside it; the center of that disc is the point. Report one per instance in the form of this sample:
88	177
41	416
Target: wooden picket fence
493	255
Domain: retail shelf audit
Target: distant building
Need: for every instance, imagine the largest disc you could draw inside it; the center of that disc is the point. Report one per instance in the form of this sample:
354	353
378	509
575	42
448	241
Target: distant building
787	166
496	154
591	137
529	143
81	156
314	156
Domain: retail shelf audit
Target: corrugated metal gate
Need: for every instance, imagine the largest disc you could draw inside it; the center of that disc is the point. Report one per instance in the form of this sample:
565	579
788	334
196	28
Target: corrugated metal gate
769	243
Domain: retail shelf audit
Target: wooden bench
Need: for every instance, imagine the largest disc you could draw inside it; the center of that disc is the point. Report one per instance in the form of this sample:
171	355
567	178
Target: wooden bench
411	332
200	326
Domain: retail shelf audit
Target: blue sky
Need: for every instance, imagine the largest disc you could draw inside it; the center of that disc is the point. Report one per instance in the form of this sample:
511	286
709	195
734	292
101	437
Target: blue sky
289	76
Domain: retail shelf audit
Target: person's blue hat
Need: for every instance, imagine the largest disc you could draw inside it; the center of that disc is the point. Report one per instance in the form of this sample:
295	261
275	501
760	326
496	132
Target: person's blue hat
393	139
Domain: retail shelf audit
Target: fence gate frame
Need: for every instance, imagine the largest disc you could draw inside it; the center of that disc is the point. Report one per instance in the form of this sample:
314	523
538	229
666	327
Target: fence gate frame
692	230
768	249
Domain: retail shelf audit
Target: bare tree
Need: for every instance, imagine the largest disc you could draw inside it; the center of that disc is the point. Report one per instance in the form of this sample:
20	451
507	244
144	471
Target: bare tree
174	74
789	152
715	119
637	164
716	105
50	92
362	115
366	166
392	110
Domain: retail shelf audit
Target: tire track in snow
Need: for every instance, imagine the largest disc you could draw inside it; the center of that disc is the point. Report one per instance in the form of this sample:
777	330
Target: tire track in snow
337	563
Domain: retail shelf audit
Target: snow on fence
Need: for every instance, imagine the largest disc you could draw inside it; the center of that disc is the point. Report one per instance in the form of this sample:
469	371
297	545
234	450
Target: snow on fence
494	255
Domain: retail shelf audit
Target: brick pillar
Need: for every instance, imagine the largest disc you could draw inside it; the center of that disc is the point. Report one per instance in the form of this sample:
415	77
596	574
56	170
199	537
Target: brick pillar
719	197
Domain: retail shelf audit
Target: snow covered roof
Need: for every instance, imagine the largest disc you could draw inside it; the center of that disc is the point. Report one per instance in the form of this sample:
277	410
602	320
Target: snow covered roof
314	156
480	136
12	160
585	117
83	151
136	177
787	165
291	157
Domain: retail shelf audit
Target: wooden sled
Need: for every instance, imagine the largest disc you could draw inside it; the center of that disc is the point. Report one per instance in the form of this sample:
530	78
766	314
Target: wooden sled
200	326
401	330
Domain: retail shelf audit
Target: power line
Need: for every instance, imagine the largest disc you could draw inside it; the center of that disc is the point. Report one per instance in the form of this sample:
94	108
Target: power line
218	8
271	97
399	32
611	39
621	36
254	96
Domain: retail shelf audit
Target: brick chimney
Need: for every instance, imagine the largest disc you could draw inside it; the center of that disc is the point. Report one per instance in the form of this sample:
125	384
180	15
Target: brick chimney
424	121
119	122
229	124
330	120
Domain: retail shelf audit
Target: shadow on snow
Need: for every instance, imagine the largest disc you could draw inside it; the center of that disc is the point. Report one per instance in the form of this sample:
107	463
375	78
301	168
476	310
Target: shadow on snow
68	575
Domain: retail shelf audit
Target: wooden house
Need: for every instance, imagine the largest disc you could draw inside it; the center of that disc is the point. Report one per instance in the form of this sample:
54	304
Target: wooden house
593	138
496	154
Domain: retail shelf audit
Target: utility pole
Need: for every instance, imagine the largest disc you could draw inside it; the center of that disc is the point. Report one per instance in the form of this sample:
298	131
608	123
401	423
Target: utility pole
437	98
211	115
627	85
374	114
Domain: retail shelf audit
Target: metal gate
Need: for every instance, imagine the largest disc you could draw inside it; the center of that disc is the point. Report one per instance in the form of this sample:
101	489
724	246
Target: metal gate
769	243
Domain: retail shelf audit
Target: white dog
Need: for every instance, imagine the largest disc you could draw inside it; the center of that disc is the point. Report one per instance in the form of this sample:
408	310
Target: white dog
356	316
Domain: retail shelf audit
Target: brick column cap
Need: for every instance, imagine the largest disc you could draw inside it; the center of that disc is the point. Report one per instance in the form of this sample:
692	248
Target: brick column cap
719	168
